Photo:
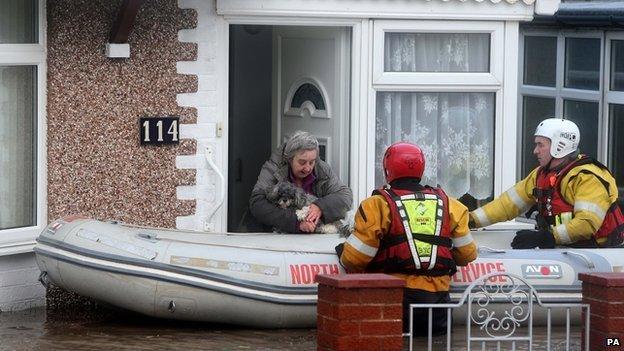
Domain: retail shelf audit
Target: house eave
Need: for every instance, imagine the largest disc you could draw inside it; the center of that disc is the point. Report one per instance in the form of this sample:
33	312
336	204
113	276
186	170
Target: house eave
495	10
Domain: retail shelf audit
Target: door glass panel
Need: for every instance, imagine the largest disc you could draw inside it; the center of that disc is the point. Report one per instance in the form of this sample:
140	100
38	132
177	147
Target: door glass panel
18	22
437	52
455	132
17	146
616	145
534	110
617	65
585	115
582	63
540	60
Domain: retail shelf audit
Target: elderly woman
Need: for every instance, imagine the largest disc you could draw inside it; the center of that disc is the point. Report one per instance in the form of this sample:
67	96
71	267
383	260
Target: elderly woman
297	161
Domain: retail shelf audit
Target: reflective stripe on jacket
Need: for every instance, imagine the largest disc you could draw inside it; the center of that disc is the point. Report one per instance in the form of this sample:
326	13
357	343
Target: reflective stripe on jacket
581	186
373	221
419	238
555	211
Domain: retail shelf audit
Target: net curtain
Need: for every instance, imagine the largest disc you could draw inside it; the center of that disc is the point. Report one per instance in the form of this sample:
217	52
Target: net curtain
454	130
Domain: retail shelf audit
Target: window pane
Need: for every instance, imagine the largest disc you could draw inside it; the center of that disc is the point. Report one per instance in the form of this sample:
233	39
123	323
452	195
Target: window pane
582	68
540	61
454	130
585	115
437	52
18	21
617	65
616	145
534	110
17	146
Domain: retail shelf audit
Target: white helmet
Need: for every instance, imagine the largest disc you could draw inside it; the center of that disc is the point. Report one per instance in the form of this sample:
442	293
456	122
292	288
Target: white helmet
564	136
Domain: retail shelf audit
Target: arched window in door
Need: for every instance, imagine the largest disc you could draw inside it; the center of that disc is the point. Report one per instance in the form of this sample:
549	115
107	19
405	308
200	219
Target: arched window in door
306	96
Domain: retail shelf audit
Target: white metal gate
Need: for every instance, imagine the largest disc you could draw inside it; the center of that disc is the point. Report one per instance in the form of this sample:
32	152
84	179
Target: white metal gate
499	314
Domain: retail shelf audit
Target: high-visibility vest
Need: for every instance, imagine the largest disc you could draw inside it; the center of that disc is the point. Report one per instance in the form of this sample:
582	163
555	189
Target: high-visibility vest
554	210
419	240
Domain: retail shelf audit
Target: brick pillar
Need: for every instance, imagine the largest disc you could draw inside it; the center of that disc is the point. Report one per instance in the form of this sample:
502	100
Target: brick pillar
359	312
604	292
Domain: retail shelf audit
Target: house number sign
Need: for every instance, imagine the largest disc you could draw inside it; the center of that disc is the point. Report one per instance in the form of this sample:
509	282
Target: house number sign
159	130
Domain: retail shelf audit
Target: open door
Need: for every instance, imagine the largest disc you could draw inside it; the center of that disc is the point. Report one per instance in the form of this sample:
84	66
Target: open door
311	88
283	79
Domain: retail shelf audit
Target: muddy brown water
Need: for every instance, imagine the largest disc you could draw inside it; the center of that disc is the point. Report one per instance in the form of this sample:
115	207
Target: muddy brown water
32	330
35	330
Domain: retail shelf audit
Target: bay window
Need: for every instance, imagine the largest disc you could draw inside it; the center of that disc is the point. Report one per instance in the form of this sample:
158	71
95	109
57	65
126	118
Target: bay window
561	78
22	136
576	75
436	85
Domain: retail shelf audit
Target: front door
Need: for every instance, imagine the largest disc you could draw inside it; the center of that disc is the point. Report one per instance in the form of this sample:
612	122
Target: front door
311	78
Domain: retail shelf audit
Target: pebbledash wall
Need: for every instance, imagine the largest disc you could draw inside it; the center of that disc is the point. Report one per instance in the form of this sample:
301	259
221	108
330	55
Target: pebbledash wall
96	165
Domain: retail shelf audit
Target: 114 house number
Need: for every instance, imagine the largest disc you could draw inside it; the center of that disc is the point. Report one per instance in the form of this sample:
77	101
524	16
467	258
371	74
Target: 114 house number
159	130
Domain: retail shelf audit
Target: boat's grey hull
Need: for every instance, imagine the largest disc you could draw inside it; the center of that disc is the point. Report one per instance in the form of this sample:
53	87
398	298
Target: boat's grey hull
259	280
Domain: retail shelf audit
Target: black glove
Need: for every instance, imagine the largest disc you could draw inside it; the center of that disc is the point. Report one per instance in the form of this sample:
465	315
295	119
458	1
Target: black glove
528	239
471	223
339	249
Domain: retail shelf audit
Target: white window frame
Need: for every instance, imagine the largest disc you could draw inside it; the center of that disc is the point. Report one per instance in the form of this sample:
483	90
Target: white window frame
20	240
610	96
492	78
503	62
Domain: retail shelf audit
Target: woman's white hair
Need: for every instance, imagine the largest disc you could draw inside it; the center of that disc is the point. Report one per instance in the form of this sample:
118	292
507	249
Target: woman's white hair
299	141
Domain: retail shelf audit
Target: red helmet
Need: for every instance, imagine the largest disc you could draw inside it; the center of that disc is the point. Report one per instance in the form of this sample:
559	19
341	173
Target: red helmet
403	160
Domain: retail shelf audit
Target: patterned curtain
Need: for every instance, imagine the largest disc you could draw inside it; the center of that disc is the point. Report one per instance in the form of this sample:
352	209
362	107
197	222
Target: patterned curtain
437	52
454	130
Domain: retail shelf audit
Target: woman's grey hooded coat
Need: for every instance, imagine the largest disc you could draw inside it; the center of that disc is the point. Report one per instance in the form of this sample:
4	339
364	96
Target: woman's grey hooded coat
334	198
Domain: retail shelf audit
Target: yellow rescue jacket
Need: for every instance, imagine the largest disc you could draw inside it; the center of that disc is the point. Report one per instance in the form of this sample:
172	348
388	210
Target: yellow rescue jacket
373	221
581	186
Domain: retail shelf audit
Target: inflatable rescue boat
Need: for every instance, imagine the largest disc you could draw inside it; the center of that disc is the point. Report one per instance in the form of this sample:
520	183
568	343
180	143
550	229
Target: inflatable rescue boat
258	279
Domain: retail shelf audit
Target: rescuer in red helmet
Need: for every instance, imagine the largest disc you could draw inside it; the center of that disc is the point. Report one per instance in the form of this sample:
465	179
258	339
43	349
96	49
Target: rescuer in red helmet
411	231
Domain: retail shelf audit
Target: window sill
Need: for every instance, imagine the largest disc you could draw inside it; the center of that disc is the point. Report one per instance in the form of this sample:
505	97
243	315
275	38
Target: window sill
18	240
17	248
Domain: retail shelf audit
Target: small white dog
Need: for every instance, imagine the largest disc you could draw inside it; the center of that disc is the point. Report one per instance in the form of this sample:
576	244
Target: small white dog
287	195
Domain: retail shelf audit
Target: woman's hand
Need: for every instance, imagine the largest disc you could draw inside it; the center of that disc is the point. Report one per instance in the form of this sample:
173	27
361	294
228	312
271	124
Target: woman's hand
314	214
307	227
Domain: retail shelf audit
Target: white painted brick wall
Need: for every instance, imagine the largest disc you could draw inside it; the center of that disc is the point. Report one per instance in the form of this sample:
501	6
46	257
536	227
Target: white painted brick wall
209	102
19	285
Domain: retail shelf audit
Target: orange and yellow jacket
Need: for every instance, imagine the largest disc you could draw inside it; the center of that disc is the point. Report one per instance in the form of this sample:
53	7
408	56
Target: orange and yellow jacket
581	186
372	222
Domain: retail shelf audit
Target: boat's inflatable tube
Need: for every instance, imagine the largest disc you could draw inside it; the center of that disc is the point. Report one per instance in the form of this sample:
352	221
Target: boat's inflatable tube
261	280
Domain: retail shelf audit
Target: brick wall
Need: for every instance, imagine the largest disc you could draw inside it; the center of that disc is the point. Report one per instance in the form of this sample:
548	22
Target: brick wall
359	312
604	292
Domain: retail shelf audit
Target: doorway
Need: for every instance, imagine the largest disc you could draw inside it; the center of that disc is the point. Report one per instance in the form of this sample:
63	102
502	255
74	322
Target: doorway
283	79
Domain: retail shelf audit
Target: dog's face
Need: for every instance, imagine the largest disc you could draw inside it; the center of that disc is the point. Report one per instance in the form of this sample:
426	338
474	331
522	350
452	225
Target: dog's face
286	195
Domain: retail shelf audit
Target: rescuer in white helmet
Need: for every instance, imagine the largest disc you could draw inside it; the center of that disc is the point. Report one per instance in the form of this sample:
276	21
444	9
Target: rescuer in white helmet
576	196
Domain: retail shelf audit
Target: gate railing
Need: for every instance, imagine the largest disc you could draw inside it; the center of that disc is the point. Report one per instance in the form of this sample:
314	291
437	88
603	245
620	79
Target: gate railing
500	311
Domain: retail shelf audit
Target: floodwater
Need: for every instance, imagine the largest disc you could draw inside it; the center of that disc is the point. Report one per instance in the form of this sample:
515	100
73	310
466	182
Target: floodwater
35	330
32	330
